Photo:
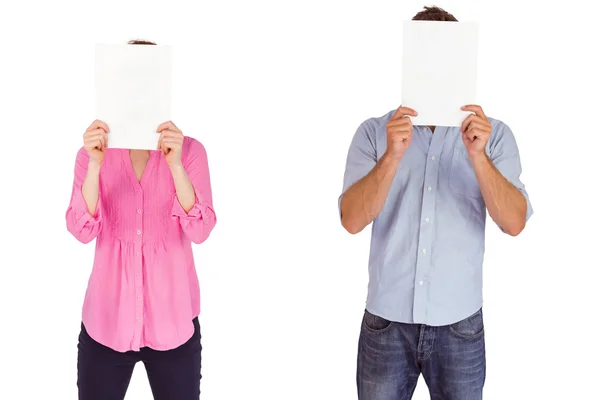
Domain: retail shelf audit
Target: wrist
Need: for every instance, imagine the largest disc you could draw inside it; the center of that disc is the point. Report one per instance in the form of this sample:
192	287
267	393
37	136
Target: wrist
479	158
391	158
176	167
94	166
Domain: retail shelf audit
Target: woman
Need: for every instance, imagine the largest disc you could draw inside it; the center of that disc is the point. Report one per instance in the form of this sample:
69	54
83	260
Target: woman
142	301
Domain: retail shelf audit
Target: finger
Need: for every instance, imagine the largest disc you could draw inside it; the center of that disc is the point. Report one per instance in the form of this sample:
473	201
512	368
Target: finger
96	143
161	144
163	148
400	127
94	132
476	133
467	122
93	138
481	133
167	125
171	145
469	136
170	137
171	140
404	131
171	134
474	119
475	109
476	124
403	127
96	125
402	111
168	146
400	135
400	122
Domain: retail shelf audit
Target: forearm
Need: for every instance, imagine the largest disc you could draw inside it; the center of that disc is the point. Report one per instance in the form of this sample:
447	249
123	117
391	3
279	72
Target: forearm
90	187
183	188
363	201
505	203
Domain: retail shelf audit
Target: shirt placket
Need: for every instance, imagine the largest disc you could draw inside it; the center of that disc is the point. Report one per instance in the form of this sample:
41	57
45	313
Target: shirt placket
139	278
430	188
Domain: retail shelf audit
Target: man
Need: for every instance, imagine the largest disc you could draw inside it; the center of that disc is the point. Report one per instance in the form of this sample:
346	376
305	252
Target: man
426	190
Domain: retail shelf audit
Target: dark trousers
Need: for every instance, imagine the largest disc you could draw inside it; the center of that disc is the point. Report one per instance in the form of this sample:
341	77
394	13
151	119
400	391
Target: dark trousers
392	355
104	374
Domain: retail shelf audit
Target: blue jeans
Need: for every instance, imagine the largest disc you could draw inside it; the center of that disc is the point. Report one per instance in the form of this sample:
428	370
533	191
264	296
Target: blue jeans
392	355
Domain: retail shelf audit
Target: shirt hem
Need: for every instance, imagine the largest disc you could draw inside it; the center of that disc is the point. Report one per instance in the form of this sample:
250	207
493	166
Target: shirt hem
147	346
401	320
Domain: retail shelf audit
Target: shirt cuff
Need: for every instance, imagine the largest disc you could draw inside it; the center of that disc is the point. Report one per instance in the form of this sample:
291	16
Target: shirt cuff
200	211
84	216
529	212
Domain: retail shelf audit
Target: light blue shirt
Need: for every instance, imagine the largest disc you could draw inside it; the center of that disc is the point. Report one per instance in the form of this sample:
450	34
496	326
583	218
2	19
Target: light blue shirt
427	243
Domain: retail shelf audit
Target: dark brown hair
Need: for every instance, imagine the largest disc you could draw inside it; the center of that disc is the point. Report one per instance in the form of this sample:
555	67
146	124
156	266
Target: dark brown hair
434	13
137	41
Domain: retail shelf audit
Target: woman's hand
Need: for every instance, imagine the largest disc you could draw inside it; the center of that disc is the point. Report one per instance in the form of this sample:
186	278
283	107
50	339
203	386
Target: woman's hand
95	141
170	143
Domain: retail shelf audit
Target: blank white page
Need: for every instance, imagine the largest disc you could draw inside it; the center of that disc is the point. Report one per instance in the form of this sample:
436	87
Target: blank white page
439	70
133	92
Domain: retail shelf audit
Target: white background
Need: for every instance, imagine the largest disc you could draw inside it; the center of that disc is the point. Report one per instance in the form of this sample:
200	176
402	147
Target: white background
275	90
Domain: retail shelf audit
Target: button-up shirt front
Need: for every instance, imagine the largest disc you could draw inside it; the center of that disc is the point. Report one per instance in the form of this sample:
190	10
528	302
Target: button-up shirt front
427	243
143	290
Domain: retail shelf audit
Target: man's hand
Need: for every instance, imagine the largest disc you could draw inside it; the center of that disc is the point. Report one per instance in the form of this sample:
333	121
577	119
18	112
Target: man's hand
476	130
170	143
399	132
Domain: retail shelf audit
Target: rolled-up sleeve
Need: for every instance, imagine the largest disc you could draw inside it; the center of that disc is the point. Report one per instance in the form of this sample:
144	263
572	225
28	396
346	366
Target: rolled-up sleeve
361	158
80	223
201	219
504	154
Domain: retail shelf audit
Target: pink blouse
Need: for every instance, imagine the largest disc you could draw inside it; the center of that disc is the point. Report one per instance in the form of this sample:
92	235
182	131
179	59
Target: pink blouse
143	289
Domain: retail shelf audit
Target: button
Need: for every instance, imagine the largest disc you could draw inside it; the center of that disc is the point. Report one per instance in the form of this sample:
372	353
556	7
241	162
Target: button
433	158
428	188
139	319
139	232
421	283
137	253
427	219
424	251
139	275
139	211
139	297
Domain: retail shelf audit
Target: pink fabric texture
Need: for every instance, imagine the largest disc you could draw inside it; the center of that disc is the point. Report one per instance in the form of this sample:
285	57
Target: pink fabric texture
143	290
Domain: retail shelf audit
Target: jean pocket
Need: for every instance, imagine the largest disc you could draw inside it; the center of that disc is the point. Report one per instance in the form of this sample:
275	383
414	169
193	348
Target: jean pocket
470	327
374	323
462	179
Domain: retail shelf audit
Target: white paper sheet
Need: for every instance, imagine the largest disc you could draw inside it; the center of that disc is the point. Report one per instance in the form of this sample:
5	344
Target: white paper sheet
133	92
439	70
